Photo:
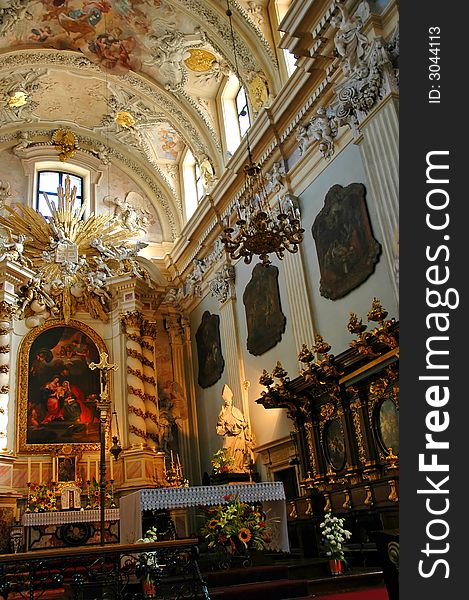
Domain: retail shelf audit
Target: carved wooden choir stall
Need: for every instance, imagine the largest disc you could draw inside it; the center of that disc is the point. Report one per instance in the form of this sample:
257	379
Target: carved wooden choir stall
345	411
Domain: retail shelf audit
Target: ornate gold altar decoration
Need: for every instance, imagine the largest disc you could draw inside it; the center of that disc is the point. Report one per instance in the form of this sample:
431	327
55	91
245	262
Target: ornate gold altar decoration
199	60
73	257
66	143
259	230
367	342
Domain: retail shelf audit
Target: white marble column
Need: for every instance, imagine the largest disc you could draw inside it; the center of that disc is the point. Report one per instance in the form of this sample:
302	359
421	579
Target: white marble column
131	324
6	313
379	147
149	384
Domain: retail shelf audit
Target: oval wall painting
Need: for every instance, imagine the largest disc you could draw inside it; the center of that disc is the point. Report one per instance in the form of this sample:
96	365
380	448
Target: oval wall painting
335	444
388	425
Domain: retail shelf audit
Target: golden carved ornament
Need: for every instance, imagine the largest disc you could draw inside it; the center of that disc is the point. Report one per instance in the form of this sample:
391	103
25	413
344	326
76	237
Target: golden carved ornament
258	93
347	505
200	60
327	411
392	460
17	99
368	501
66	143
393	496
125	119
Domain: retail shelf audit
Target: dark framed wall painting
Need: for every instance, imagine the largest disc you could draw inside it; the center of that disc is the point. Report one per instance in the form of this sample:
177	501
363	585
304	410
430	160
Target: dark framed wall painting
264	317
346	249
209	351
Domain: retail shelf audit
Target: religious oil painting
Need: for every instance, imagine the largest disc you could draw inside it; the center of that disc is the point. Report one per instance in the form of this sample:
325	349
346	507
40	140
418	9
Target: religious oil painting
334	441
387	426
211	361
264	317
346	250
58	391
66	468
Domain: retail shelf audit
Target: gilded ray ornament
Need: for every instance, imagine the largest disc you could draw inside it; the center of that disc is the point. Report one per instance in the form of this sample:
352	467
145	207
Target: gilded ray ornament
72	257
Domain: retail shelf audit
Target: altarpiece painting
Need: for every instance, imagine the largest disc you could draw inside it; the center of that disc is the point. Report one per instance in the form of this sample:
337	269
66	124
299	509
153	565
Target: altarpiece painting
57	390
347	252
211	361
264	317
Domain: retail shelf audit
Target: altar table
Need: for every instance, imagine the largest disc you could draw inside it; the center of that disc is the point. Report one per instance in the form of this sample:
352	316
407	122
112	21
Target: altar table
270	494
68	527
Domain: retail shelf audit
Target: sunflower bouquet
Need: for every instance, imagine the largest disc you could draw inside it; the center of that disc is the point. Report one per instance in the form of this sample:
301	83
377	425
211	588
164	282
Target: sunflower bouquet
41	498
236	525
94	495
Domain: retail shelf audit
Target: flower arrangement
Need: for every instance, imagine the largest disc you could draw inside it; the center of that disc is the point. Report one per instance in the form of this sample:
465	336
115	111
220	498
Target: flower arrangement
147	568
334	535
41	497
237	525
94	495
221	462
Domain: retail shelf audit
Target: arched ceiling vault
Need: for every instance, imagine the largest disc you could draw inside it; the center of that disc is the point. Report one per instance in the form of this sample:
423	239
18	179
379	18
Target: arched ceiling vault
81	62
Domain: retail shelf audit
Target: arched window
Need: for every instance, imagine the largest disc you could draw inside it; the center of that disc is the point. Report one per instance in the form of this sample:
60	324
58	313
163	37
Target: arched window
192	184
277	10
48	181
242	110
236	117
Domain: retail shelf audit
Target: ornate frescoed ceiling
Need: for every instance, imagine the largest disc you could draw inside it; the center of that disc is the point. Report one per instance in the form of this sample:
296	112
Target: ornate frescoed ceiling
83	64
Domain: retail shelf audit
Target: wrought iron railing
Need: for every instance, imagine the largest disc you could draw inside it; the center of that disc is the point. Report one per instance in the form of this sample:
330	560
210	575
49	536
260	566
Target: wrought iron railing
146	571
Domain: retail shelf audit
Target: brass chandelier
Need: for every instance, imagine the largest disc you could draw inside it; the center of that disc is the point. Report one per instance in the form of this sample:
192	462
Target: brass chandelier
258	229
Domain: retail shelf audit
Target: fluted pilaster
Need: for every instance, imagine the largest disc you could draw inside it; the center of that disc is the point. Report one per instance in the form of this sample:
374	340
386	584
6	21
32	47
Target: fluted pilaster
379	148
301	319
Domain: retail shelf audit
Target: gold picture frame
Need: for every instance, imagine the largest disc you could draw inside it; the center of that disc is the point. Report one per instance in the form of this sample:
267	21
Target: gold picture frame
56	390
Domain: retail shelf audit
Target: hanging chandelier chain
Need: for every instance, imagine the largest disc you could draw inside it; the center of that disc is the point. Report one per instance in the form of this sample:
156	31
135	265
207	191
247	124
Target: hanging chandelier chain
259	230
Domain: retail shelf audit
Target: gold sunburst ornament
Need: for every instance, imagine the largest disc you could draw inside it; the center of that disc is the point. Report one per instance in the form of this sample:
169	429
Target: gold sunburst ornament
72	257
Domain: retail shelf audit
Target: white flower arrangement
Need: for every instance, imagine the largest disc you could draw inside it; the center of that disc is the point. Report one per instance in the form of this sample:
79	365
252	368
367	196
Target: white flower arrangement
334	536
149	558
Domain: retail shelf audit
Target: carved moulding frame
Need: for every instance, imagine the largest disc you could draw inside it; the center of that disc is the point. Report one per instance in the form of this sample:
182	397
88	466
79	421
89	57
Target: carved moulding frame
331	414
24	378
380	390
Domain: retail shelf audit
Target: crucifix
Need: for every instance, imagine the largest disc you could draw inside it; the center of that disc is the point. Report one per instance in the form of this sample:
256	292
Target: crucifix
103	405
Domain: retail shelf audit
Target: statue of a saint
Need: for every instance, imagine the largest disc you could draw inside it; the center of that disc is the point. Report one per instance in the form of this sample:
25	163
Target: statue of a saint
234	428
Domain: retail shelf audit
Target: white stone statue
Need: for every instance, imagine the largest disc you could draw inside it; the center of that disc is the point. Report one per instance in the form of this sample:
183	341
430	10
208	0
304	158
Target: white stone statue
349	41
234	428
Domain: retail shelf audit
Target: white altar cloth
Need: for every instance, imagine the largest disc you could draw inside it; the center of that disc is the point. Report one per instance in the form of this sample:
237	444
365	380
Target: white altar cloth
271	494
68	516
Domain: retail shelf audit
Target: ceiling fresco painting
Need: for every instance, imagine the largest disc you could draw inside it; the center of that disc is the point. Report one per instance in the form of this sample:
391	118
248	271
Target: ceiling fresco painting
136	80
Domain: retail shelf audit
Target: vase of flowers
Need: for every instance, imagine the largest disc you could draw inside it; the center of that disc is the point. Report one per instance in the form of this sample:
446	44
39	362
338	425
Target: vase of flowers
147	568
221	462
334	536
234	528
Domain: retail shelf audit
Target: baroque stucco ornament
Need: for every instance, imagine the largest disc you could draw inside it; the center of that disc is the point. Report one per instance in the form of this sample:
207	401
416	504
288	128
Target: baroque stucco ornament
369	76
72	258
